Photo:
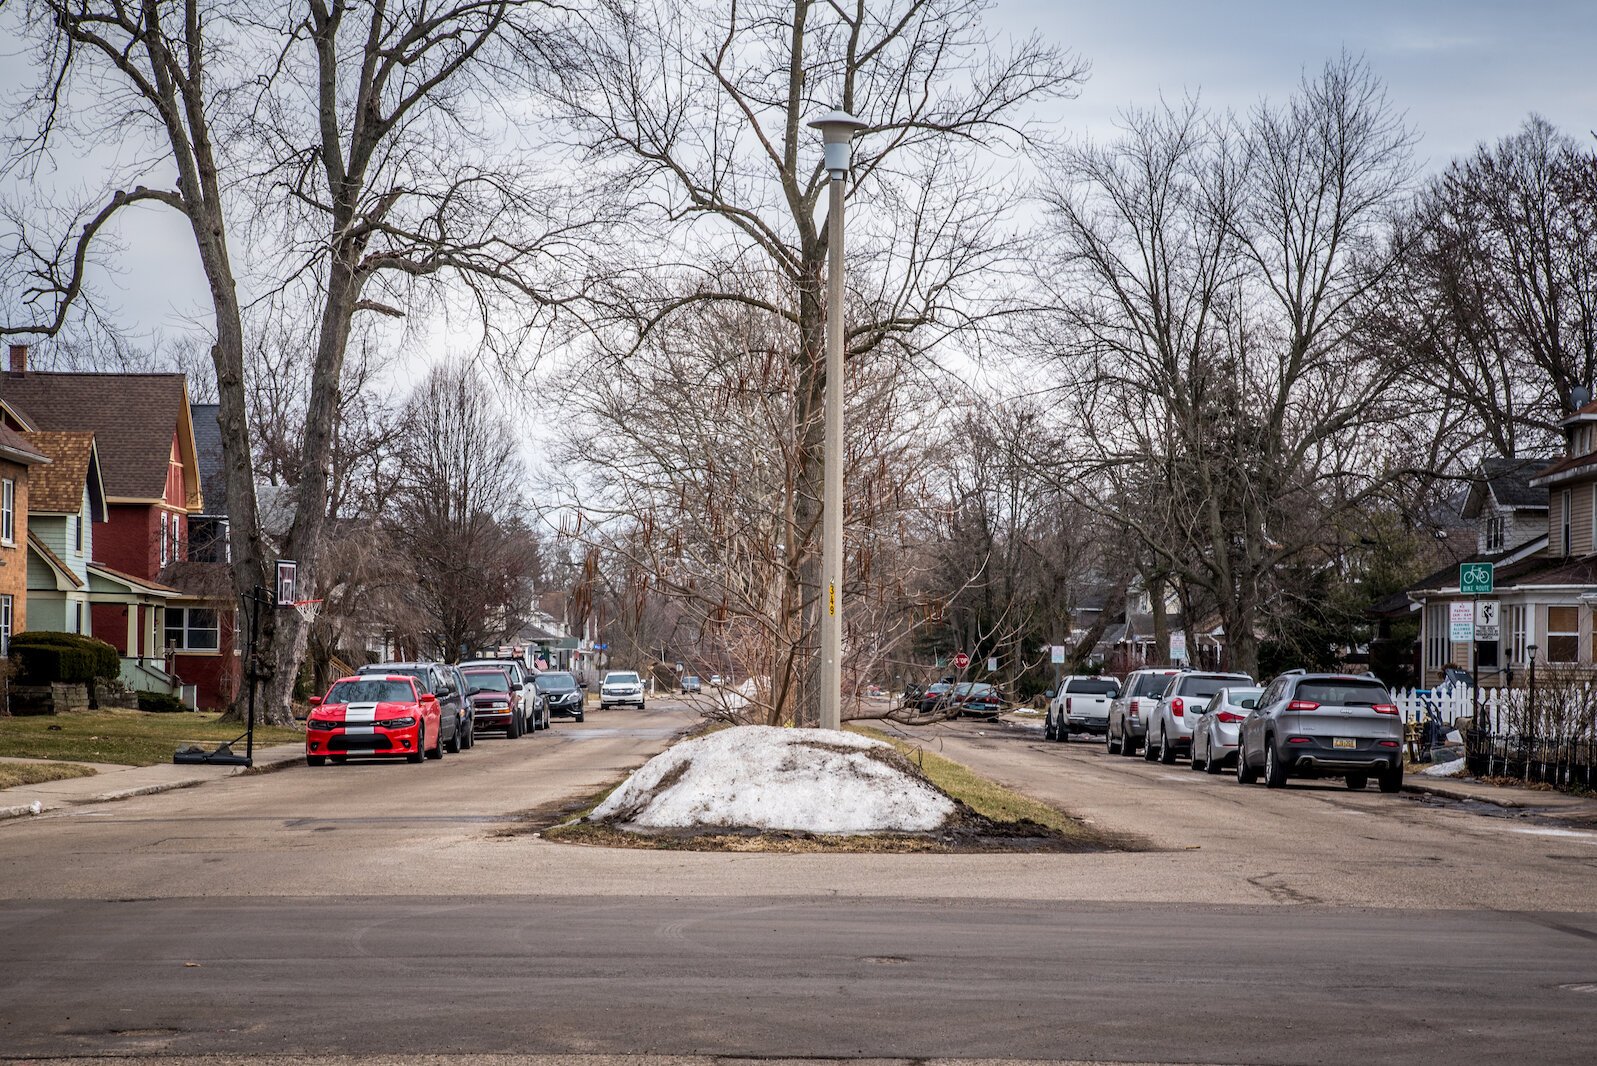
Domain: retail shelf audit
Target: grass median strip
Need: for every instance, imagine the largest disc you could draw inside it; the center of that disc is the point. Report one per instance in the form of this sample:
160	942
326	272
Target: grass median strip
13	774
130	738
990	818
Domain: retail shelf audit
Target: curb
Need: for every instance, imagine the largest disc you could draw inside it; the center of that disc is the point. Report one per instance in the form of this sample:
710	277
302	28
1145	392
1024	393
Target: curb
1455	794
261	766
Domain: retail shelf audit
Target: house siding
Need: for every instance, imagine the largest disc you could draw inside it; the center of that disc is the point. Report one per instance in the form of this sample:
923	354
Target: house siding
1580	526
14	556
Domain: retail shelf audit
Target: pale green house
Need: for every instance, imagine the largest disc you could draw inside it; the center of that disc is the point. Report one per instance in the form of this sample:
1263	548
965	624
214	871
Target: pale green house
66	499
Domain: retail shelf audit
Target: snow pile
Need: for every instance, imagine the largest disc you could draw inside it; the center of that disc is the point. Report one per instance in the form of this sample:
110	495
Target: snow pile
1444	769
765	777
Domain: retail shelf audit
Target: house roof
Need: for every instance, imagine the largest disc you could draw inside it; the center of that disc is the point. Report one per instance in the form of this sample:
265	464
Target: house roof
133	418
1564	467
132	582
15	446
74	463
1510	481
208	453
1448	576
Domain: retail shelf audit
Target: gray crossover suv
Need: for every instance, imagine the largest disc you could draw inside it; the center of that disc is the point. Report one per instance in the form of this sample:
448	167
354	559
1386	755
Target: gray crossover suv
1314	725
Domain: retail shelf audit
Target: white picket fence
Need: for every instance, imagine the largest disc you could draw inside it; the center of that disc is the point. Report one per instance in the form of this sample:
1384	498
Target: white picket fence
1455	703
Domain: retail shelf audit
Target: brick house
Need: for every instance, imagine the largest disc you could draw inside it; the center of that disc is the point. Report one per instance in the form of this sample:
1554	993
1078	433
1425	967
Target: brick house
149	464
17	460
66	500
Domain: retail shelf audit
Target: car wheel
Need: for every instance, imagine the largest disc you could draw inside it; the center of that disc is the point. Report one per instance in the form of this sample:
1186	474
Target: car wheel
1246	774
1149	752
421	746
1356	782
579	716
315	760
454	740
1213	765
1274	768
1196	764
437	751
1391	780
1167	750
1111	743
1048	728
1128	744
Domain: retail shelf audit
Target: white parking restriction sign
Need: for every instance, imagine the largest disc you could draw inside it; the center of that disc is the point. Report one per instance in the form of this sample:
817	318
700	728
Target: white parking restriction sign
1461	622
1487	624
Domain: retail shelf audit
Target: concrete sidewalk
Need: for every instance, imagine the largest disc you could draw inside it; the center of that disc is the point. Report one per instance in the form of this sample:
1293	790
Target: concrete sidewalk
1469	789
114	782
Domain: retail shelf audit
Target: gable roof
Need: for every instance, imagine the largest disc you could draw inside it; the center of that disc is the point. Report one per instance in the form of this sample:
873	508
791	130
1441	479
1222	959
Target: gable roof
74	463
1510	481
133	418
208	453
65	579
15	447
1564	470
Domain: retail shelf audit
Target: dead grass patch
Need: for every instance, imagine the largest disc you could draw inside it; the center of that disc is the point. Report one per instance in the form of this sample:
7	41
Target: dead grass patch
15	774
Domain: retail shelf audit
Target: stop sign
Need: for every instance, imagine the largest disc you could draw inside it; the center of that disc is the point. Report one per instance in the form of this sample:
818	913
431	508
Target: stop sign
961	661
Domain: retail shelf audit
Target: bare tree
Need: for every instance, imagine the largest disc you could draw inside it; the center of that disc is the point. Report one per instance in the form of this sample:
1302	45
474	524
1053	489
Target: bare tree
699	112
1215	276
363	133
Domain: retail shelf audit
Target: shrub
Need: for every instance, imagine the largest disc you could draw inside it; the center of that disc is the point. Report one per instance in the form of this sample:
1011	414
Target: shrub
44	657
160	702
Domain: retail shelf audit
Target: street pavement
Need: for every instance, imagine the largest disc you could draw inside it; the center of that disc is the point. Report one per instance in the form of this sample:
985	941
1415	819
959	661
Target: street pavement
370	911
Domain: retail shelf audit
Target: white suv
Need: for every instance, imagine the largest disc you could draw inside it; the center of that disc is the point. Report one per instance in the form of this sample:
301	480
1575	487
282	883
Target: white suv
1169	728
620	687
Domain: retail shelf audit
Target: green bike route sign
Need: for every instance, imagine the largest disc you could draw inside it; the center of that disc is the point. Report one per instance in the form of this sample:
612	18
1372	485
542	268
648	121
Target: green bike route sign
1476	579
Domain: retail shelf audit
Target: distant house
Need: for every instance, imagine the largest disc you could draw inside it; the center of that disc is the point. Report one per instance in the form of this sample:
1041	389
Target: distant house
1536	522
66	501
18	459
172	639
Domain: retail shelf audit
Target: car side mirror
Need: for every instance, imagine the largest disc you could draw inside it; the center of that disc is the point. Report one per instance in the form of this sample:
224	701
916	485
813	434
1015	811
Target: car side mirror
1249	704
1050	693
315	701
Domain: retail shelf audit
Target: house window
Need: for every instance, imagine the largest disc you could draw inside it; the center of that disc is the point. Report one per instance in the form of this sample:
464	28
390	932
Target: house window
1494	533
1563	521
1563	634
77	617
77	533
1436	629
8	511
164	535
1516	617
5	622
192	629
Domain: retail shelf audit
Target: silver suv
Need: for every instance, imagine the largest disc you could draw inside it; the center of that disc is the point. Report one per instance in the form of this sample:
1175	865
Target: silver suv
1170	725
1314	725
1130	711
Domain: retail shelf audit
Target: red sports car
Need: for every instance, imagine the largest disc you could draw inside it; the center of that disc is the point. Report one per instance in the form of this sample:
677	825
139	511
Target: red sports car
373	716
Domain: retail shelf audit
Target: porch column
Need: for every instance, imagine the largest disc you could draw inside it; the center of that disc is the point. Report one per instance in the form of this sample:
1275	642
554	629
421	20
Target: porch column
133	629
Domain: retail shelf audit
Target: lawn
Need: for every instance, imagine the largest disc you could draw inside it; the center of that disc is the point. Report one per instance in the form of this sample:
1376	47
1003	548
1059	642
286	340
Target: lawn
132	738
13	774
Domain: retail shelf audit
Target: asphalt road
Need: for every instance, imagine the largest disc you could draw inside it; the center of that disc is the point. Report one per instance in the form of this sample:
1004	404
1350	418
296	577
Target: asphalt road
379	910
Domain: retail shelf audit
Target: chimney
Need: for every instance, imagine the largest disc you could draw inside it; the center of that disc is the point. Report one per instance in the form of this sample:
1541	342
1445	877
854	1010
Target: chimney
19	359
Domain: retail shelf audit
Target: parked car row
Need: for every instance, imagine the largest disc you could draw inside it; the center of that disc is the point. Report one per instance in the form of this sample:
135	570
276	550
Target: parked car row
421	710
1300	725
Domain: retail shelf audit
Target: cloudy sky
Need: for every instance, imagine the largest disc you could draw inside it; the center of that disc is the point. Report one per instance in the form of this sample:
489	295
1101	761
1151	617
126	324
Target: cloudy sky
1463	71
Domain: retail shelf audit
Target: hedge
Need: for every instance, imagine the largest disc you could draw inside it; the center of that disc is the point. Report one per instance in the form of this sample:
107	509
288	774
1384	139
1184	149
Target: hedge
44	657
160	702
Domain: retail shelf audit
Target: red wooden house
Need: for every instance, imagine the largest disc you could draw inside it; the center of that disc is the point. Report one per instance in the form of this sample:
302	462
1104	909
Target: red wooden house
171	621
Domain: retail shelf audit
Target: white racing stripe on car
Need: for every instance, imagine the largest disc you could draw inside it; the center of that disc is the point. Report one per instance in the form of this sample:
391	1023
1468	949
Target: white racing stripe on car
358	718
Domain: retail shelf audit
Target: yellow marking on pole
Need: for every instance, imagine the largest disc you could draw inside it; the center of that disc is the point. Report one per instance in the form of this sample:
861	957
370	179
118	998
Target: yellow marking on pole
831	597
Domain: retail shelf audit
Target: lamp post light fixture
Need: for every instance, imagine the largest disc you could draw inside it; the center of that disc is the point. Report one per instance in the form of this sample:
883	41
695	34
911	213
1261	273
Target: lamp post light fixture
837	132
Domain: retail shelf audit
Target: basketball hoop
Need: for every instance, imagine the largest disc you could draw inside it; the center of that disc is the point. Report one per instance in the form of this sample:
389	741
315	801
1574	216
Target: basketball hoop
308	609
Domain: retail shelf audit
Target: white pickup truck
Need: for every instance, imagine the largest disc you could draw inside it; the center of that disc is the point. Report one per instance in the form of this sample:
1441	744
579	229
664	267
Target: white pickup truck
1080	705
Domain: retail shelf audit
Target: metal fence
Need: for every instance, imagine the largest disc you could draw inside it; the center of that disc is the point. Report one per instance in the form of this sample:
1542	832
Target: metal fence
1550	739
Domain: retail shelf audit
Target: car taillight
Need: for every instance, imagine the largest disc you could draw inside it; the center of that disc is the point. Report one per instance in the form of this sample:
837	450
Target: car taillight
1227	716
1299	740
1178	708
1303	705
1132	709
1385	708
1067	704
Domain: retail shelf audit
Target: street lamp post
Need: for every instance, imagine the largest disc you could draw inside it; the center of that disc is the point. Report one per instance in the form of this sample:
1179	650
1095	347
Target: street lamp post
837	130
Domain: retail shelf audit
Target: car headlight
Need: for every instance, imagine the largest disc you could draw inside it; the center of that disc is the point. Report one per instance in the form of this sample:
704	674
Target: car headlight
322	723
397	723
497	704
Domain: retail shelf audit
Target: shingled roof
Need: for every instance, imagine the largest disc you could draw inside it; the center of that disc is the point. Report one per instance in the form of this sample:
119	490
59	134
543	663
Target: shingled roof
58	488
132	416
16	447
208	449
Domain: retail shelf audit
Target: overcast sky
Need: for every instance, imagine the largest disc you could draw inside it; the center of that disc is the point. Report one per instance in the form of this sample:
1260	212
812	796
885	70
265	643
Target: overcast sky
1464	71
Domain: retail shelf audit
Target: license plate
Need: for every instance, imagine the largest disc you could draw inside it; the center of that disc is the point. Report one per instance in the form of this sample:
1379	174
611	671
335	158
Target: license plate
1344	742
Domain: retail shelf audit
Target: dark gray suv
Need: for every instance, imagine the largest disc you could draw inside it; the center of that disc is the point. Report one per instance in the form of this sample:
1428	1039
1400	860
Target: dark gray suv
1323	725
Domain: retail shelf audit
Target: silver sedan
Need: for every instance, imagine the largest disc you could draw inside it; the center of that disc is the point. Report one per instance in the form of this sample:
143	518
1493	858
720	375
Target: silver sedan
1215	736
